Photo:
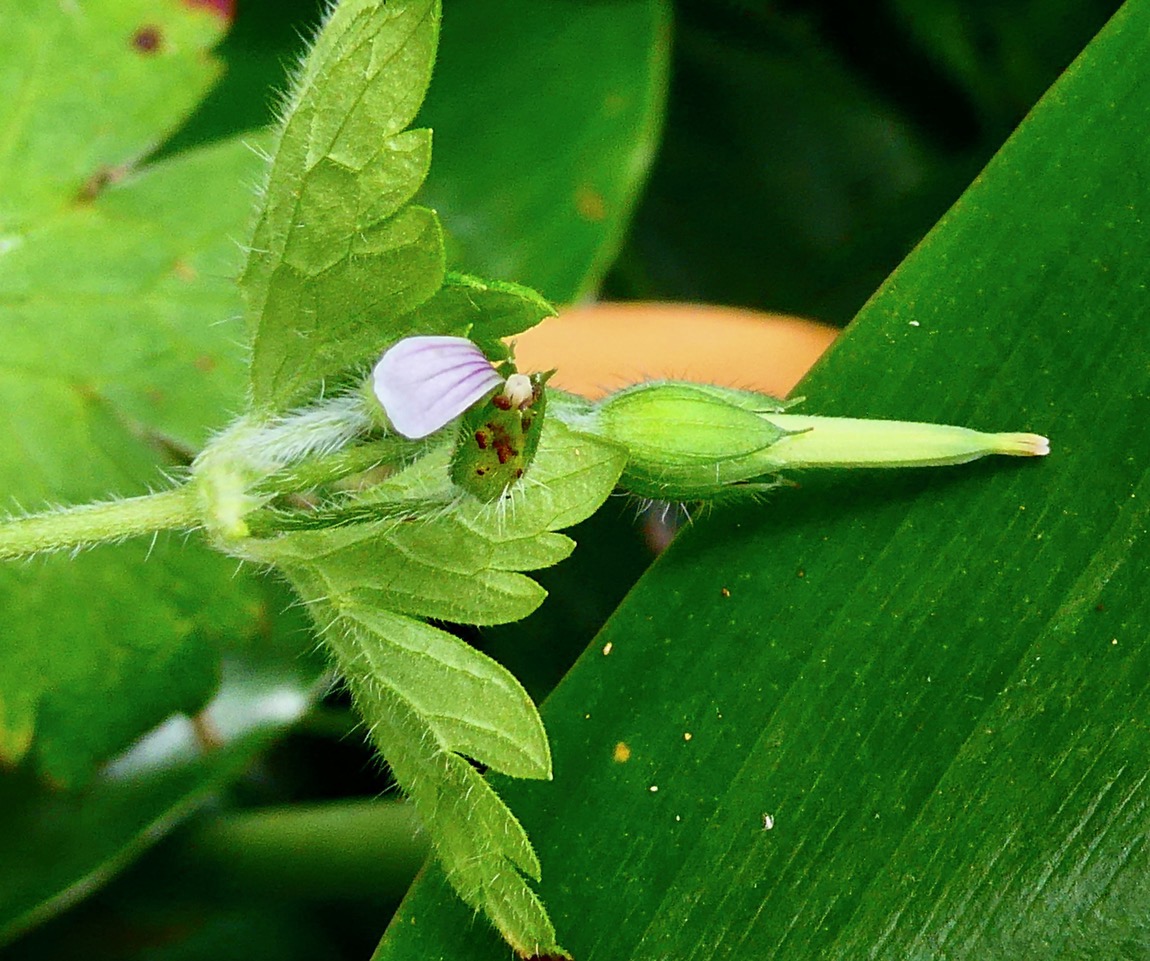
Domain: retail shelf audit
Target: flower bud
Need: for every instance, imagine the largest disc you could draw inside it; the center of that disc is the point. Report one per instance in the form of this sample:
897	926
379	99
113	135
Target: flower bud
851	442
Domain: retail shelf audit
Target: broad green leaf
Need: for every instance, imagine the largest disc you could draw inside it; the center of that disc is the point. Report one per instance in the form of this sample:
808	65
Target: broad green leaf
430	701
144	67
546	119
336	255
898	715
60	846
116	301
126	305
120	339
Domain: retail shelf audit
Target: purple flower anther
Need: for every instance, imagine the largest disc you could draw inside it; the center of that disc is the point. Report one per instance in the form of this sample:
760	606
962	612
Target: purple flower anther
426	382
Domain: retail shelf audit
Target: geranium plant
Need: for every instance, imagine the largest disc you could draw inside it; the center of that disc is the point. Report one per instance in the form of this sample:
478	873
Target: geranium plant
399	471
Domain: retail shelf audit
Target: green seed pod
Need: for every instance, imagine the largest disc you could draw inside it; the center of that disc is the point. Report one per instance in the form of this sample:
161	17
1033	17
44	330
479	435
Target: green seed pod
687	441
696	442
499	437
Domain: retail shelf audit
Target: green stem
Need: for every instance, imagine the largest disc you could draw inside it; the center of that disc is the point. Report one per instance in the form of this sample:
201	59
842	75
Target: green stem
362	849
74	527
390	451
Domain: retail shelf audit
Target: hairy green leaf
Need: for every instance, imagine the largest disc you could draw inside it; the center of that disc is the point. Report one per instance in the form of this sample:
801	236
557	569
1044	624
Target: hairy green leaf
426	696
484	310
336	257
118	345
480	844
899	716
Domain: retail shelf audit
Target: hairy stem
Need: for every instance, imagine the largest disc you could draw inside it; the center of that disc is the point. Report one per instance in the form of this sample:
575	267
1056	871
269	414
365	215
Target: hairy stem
75	527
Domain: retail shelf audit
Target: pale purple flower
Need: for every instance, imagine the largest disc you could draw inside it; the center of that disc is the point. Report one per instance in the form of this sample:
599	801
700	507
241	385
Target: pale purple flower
426	382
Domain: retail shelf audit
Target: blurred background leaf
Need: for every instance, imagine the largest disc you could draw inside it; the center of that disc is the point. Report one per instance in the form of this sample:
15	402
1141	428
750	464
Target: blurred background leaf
544	132
61	845
898	716
121	354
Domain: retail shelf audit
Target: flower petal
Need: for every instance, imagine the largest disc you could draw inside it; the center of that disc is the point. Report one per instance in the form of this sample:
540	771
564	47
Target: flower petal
426	382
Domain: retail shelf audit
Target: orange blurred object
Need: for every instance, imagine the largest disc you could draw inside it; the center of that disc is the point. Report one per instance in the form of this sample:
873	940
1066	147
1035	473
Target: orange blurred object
601	347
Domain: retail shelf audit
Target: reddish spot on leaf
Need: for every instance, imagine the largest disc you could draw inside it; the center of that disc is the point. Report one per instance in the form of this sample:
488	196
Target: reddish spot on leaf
225	8
91	188
147	40
205	364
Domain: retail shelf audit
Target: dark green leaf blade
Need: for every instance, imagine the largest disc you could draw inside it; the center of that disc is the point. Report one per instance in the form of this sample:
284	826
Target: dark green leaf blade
899	716
540	155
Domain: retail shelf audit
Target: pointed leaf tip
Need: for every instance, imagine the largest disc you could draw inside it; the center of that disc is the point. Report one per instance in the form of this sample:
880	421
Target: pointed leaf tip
426	382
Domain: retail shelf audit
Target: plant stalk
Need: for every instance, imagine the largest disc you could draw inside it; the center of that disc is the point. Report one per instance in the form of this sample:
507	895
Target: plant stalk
73	528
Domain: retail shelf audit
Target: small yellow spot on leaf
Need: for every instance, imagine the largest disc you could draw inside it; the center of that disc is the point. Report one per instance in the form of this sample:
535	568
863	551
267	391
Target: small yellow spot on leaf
622	753
589	204
184	270
613	103
607	648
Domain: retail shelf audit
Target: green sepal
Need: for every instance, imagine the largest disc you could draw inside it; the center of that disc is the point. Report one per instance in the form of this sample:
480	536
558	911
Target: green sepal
497	442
